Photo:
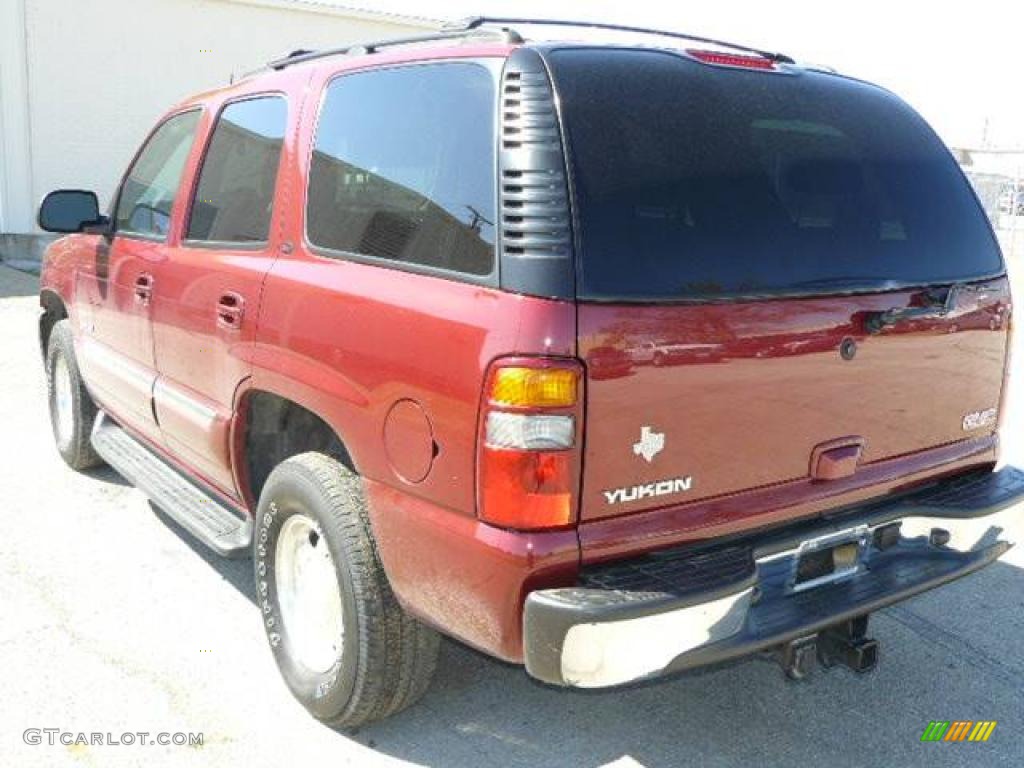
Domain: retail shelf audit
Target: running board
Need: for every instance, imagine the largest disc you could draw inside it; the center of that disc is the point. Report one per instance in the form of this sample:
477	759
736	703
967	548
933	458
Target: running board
202	515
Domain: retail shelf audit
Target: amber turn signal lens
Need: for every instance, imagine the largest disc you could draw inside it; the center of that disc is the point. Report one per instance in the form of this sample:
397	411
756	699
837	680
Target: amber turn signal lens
534	387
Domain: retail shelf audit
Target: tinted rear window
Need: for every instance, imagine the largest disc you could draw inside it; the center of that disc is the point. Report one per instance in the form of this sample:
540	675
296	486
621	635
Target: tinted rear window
695	181
403	168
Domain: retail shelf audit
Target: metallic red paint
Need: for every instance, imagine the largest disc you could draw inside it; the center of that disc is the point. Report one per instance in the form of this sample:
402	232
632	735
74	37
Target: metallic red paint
616	537
745	391
463	576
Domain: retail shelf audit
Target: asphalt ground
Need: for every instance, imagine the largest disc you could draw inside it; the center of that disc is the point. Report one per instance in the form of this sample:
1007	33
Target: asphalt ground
112	620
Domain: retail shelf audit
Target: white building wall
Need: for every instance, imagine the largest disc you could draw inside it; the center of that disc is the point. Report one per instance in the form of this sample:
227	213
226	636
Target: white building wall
100	72
15	146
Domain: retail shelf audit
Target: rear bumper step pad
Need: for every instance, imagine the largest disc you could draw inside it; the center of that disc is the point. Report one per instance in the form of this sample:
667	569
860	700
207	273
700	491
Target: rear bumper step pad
659	614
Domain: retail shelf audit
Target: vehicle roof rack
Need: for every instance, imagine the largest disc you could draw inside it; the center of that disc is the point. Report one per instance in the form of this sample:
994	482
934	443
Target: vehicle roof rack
478	22
479	26
356	49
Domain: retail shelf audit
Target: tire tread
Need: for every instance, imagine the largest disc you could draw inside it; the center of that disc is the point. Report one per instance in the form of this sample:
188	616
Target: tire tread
80	454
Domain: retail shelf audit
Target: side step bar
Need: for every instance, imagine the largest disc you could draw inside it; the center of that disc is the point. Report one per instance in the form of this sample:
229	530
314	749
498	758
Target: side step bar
215	525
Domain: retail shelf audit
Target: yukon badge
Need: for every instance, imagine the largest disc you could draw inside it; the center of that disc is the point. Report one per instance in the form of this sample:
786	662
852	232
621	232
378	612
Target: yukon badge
649	490
650	445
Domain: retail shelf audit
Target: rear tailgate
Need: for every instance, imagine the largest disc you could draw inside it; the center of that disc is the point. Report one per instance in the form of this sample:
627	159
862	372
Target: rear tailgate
777	386
774	266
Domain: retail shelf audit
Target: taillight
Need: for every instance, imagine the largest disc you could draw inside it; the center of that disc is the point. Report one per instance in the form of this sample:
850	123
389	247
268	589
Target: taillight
732	59
519	385
528	456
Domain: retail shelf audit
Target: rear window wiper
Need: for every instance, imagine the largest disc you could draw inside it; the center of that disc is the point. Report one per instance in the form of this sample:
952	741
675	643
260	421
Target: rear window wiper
940	303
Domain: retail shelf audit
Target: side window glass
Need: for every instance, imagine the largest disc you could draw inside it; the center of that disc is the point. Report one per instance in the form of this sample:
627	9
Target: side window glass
147	195
403	167
235	194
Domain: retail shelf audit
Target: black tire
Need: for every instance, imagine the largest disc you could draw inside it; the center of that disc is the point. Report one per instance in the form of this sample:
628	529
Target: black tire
74	446
387	658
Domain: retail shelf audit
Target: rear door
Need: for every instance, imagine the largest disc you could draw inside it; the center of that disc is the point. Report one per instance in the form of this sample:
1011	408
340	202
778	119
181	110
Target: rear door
206	306
791	261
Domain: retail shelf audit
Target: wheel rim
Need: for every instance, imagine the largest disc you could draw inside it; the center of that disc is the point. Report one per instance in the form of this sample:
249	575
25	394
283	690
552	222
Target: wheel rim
308	594
63	402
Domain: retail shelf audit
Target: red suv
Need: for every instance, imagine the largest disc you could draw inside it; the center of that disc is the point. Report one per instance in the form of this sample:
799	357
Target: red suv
607	359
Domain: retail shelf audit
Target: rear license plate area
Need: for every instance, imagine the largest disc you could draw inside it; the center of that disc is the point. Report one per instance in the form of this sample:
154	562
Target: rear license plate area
828	559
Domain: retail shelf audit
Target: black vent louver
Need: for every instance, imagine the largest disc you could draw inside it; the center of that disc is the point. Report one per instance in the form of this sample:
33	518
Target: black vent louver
536	236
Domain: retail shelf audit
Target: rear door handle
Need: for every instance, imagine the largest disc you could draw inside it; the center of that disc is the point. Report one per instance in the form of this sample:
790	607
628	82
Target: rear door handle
144	287
230	308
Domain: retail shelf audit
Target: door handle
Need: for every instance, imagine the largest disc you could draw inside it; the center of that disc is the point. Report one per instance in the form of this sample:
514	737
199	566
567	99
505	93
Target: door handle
144	287
230	308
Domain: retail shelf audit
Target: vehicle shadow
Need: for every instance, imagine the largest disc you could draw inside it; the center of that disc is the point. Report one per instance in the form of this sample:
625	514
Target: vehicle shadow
955	654
236	572
106	474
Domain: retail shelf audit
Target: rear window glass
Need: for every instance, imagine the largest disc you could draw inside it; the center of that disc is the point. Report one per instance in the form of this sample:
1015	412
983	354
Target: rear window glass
403	168
695	181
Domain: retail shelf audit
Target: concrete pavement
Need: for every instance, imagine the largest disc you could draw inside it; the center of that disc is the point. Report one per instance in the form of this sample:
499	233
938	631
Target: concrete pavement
112	621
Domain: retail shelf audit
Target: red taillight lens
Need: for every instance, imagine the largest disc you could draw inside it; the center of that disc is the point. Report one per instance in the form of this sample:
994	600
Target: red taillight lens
527	489
528	455
732	59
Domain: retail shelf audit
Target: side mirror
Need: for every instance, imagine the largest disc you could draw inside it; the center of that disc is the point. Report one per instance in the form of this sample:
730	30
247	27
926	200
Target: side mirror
70	210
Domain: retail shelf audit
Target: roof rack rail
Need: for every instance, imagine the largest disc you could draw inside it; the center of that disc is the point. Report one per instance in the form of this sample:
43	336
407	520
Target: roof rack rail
478	22
301	56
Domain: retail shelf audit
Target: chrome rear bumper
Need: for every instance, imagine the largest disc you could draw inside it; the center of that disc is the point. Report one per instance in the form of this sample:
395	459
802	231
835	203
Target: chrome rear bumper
671	611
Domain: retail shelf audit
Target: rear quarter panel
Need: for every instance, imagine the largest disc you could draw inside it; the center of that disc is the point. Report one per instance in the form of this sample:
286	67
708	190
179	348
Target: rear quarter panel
350	340
355	343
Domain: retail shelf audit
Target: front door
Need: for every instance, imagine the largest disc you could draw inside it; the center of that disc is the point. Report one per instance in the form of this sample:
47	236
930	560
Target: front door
205	310
115	294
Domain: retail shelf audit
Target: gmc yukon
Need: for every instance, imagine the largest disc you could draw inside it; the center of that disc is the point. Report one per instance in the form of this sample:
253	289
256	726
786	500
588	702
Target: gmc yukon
607	359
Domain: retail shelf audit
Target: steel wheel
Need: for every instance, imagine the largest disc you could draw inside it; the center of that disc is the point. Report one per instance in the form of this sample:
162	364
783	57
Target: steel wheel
63	403
309	595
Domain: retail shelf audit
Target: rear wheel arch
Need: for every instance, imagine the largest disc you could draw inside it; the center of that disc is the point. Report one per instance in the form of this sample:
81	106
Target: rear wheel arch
270	428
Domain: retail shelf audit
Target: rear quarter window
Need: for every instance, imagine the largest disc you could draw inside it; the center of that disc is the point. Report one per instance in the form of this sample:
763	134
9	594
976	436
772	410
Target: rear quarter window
698	182
403	168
